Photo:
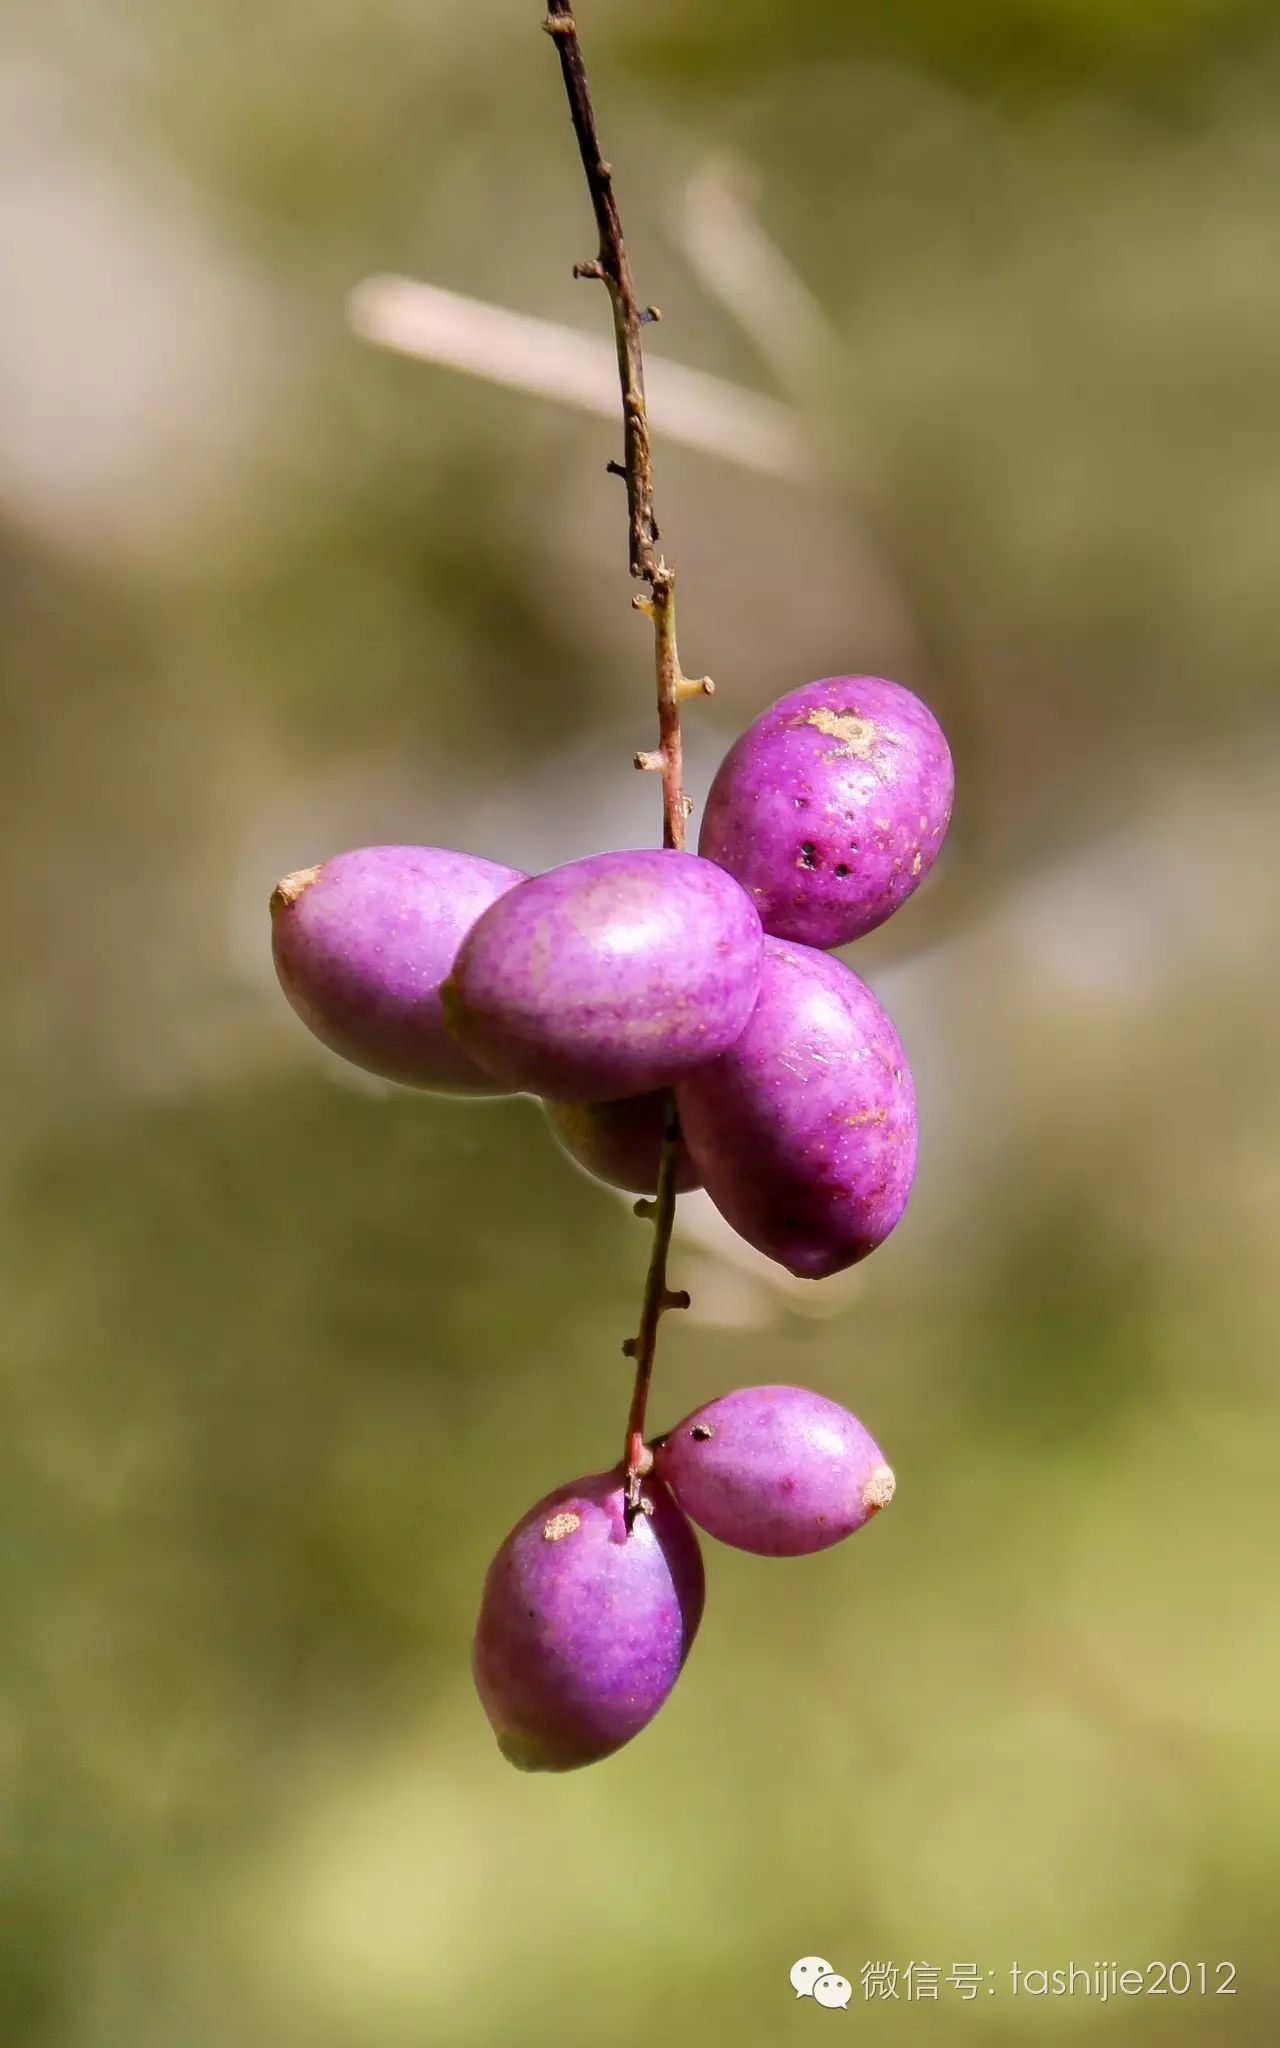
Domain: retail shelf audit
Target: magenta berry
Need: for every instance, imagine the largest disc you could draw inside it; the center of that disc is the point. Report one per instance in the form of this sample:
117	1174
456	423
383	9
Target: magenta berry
777	1470
607	977
362	944
620	1142
804	1132
831	808
585	1625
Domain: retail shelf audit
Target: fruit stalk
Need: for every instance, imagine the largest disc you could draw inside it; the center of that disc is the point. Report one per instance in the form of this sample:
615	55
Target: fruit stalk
657	1297
611	266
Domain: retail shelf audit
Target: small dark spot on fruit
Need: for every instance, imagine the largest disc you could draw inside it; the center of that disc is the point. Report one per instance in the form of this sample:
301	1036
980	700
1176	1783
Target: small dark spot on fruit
791	1222
853	846
788	1484
701	1431
808	855
841	871
801	803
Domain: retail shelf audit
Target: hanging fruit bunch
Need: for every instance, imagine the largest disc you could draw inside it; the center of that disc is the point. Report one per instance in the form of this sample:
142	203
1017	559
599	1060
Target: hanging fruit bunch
685	1024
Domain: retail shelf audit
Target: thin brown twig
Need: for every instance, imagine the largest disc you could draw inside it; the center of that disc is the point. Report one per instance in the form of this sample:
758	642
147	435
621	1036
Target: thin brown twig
612	267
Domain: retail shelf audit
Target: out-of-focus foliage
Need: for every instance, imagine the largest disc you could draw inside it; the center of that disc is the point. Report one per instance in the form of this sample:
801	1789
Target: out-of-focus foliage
284	1357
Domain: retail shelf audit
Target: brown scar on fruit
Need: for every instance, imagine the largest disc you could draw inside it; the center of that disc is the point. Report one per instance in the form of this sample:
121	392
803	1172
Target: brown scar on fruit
857	735
866	1116
917	864
560	1525
539	954
879	1489
288	891
701	1431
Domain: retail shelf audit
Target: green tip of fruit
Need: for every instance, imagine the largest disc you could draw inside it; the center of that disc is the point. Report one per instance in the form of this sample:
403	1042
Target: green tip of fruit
525	1754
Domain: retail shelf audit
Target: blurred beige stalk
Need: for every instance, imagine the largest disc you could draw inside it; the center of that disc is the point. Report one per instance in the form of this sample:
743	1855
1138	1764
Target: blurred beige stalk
753	279
547	360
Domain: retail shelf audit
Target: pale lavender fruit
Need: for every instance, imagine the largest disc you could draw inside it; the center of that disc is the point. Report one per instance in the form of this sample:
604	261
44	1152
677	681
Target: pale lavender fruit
831	808
620	1142
584	1626
607	977
777	1470
362	944
804	1132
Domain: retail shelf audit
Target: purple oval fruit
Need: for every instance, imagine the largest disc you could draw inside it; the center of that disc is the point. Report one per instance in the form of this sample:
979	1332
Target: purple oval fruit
584	1626
362	944
831	808
609	976
620	1142
804	1132
777	1470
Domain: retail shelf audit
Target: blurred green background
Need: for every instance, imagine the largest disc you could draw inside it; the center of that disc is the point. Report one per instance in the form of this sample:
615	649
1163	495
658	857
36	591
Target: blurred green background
284	1355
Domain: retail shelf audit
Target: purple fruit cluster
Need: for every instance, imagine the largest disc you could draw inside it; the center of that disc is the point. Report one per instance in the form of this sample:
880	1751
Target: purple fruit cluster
588	1614
637	991
604	983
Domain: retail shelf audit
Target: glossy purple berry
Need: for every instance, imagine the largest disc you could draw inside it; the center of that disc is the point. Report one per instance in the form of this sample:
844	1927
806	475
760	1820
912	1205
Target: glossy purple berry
607	977
620	1142
584	1626
777	1470
362	944
831	808
804	1131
